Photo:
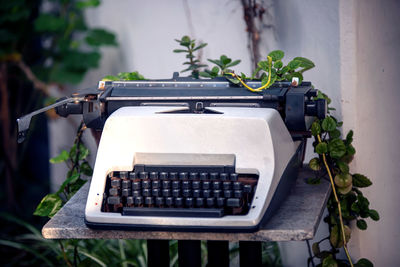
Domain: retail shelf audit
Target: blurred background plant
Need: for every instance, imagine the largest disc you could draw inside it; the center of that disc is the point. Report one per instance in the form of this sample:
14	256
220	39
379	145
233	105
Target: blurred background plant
44	46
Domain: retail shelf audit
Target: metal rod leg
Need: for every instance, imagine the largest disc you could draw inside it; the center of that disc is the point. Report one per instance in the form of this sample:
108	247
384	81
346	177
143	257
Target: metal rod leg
250	253
157	253
189	253
218	253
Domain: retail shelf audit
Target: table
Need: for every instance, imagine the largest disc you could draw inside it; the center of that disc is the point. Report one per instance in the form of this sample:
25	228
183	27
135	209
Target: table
297	219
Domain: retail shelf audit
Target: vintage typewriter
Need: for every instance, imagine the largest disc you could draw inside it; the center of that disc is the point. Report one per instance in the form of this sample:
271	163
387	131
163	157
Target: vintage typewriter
187	154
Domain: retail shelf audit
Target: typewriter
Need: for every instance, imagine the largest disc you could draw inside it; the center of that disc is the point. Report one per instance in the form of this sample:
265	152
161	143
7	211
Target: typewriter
189	154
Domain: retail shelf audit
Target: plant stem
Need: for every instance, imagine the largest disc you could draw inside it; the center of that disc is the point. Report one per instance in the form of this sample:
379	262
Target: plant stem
64	254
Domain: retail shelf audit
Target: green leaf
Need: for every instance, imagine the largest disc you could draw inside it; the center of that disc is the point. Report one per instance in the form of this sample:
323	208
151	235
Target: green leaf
374	215
87	3
99	37
180	51
334	134
263	65
205	74
216	62
64	75
63	156
110	78
336	237
343	180
315	249
294	64
363	263
225	60
355	207
336	148
200	46
276	55
49	206
278	64
343	166
360	180
349	137
185	41
49	23
329	262
86	169
130	76
315	128
345	190
321	148
76	186
350	150
305	62
234	63
70	180
315	164
215	70
329	124
76	60
362	224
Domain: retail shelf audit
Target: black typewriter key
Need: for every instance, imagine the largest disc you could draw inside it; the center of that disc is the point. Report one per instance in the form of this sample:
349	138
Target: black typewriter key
146	184
138	200
186	192
233	202
220	202
126	192
237	185
169	201
206	185
216	185
203	176
154	175
126	184
193	176
183	175
186	184
159	201
234	177
199	202
136	185
113	200
176	192
132	175
210	201
196	184
189	202
178	201
247	188
136	193
144	175
226	185
223	176
217	193
113	191
129	200
166	192
116	183
123	175
238	193
207	193
155	184
155	192
148	201
166	184
146	192
227	193
197	193
214	175
173	175
163	175
176	184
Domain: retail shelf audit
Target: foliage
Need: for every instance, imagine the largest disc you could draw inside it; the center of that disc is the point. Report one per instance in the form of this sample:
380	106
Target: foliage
223	63
78	166
354	205
279	72
190	47
124	76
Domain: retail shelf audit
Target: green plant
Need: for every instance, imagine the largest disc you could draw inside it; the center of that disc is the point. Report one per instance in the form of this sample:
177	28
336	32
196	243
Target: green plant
124	76
190	45
223	63
347	203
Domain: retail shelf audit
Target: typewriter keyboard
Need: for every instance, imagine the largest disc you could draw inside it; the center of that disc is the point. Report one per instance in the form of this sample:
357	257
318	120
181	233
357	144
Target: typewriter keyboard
179	191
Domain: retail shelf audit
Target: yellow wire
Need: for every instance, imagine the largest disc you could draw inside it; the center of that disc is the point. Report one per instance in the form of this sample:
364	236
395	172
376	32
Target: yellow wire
259	89
338	204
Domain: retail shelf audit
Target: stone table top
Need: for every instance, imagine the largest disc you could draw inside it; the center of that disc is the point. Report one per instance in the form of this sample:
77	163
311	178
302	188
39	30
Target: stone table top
297	219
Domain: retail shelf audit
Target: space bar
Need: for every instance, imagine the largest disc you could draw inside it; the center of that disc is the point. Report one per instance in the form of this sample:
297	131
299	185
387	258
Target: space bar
173	212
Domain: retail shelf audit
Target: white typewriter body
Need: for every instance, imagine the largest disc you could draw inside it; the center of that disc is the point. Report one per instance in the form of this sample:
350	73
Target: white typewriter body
257	138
